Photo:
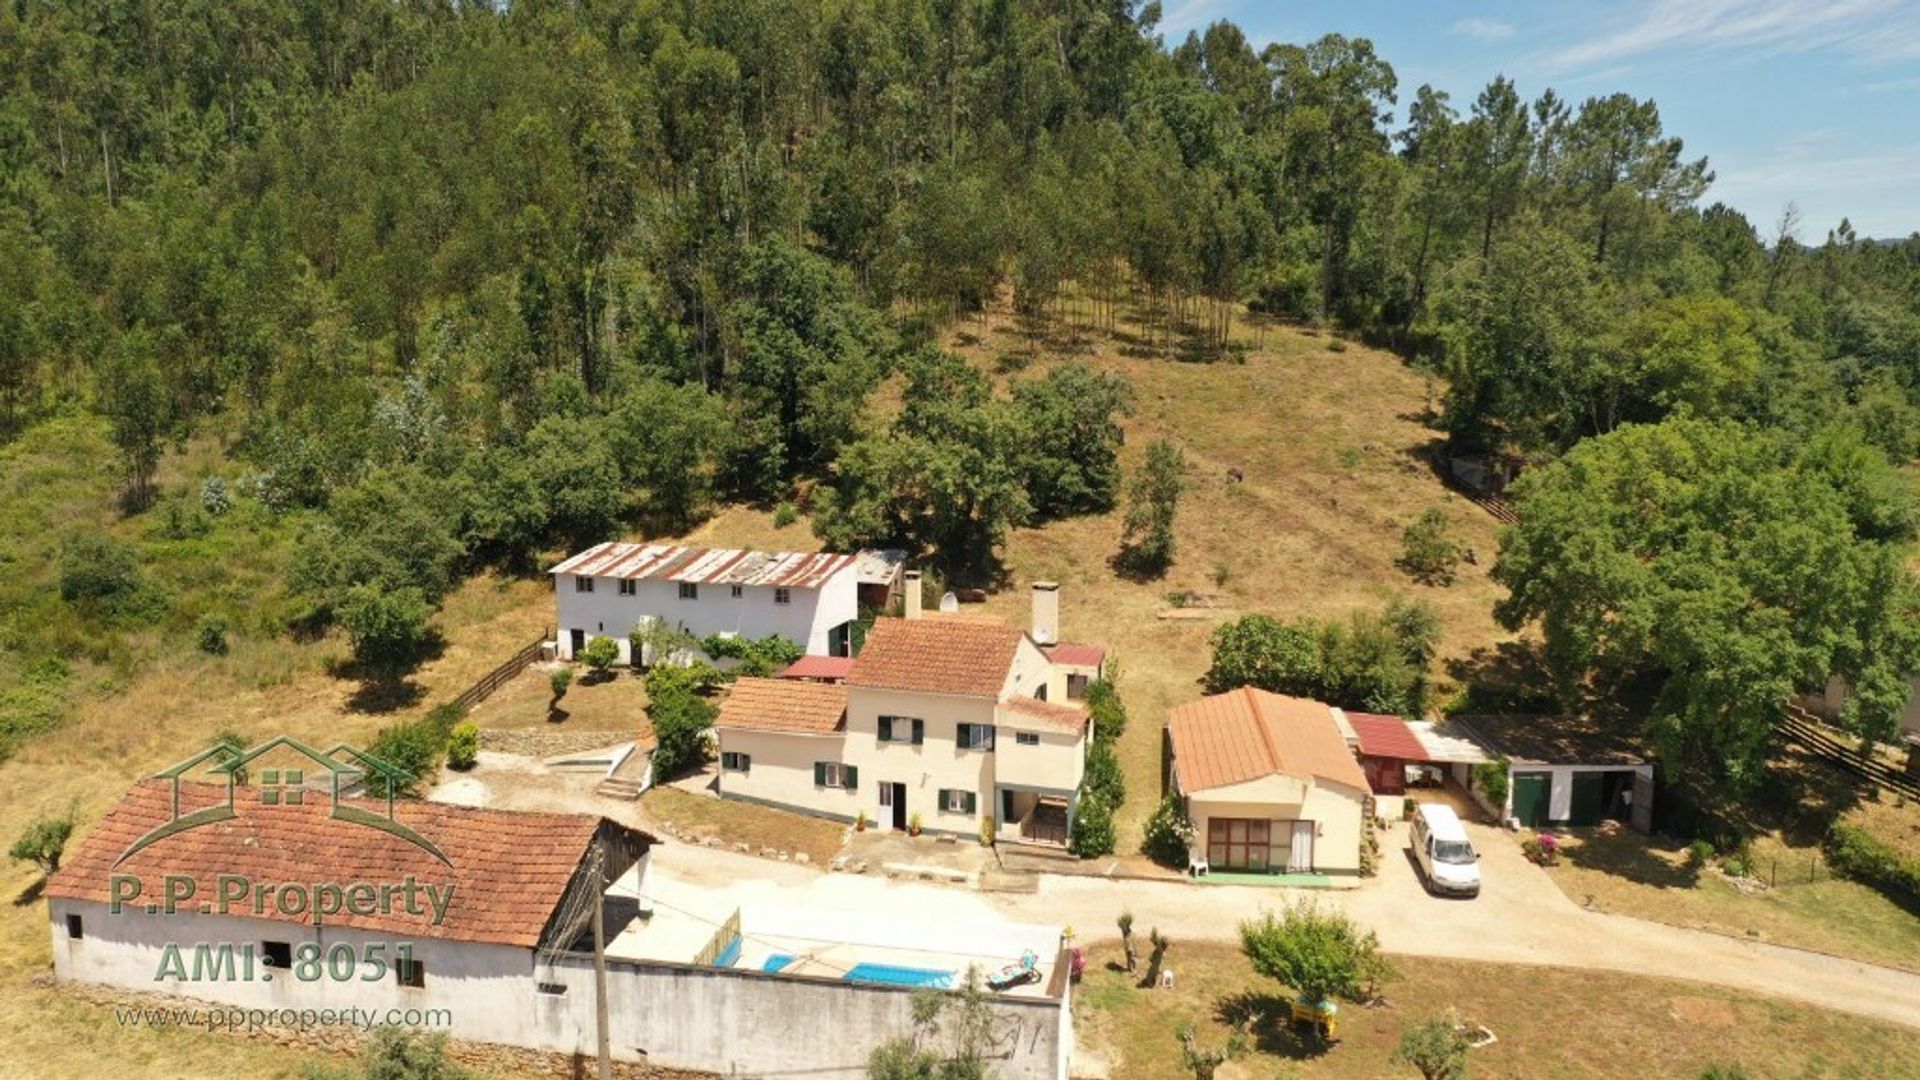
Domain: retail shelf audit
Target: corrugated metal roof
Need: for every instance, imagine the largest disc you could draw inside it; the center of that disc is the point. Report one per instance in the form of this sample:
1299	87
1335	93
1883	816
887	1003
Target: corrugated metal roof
706	566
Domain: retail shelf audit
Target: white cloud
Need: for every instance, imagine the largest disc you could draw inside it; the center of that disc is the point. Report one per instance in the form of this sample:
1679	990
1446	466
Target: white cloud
1870	188
1877	30
1484	29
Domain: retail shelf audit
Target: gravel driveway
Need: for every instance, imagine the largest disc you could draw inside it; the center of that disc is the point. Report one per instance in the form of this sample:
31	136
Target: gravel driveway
1519	917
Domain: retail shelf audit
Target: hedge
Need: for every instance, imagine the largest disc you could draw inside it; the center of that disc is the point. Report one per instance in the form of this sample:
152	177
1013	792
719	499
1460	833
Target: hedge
1855	853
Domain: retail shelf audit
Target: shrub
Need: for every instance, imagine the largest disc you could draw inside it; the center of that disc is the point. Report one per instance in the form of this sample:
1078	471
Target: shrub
1336	345
557	681
100	574
388	627
600	653
696	678
1427	549
1699	854
1317	954
1109	712
211	637
759	657
1104	778
1436	1047
213	496
784	515
681	720
1858	854
44	842
397	1053
1493	778
1169	833
1153	500
463	747
413	748
1092	834
1543	849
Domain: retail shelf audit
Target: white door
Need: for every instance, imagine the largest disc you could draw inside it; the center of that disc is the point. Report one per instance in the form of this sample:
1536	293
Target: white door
886	806
1300	853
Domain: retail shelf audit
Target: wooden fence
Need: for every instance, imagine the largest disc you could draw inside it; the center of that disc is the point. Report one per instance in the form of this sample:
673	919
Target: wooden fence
721	943
505	673
1806	731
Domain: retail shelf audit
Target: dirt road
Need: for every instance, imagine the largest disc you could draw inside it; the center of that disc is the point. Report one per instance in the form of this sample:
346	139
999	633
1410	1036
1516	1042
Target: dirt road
1519	917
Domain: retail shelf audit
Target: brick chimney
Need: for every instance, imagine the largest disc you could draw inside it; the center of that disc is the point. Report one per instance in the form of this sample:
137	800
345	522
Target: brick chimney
1046	612
910	588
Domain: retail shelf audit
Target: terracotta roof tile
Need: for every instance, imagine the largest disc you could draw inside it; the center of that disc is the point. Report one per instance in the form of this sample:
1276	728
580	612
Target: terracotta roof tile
509	869
1075	654
819	667
1246	734
1062	716
937	656
1386	737
784	705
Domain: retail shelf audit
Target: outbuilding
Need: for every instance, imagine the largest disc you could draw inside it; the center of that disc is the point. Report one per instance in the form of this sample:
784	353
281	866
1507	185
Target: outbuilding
1269	784
1568	770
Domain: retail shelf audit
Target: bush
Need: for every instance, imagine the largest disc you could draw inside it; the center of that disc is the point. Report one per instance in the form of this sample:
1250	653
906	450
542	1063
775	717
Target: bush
1092	834
1169	833
397	1053
44	842
100	574
784	515
1853	852
696	678
388	627
759	657
1543	849
463	747
1493	778
1699	854
413	748
211	637
1153	501
1104	777
557	681
681	720
600	653
1436	1047
1319	955
213	496
1427	549
1109	712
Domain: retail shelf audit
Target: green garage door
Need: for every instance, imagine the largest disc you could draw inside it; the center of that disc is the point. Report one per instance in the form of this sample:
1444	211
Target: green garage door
1531	790
1589	798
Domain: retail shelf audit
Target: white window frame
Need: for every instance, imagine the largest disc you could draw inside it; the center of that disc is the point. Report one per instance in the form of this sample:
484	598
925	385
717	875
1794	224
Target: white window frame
969	736
1027	738
582	583
899	729
689	591
740	763
834	773
782	595
629	587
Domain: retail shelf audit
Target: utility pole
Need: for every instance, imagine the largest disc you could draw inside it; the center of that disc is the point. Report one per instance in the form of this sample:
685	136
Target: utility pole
600	963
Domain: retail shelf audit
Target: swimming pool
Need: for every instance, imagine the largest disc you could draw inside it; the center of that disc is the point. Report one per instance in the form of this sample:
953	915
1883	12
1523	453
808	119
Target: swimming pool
895	975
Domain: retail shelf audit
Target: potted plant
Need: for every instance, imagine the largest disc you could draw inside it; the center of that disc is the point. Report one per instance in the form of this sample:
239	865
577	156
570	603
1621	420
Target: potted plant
860	823
913	824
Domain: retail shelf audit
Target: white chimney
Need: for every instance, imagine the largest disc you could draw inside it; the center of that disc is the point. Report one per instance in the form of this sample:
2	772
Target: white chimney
910	586
1046	612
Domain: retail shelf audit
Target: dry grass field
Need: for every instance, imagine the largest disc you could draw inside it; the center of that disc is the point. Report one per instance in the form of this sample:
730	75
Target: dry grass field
1547	1022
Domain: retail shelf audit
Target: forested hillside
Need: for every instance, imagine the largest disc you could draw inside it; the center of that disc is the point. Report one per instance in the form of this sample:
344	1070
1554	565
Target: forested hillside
457	284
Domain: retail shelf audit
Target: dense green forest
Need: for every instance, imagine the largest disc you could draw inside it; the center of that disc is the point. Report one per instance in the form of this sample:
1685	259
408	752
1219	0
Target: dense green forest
463	282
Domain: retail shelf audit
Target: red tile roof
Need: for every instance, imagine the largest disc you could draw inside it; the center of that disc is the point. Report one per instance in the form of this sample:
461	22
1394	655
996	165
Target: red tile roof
1246	734
788	706
718	566
1062	716
509	869
832	668
1386	737
937	656
1074	654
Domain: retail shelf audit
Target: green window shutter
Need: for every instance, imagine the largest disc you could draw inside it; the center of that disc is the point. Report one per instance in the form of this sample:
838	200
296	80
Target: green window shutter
991	732
886	729
746	762
962	734
853	777
919	732
819	774
973	802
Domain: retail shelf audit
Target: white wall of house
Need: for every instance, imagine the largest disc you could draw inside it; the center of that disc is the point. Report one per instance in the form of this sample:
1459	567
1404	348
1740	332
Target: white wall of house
780	772
806	619
1834	698
1335	810
488	988
1560	784
939	762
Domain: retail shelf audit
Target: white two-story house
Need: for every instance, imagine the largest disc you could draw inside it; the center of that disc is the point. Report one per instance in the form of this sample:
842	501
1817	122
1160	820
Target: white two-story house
942	721
809	598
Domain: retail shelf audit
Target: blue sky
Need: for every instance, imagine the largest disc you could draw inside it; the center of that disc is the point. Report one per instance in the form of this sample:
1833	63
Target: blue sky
1803	101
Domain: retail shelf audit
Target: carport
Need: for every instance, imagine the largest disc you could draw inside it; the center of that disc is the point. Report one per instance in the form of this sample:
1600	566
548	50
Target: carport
1567	771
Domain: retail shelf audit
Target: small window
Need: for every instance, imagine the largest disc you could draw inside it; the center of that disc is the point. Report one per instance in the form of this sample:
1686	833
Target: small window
75	929
974	736
901	729
551	989
783	596
737	591
689	591
628	586
832	774
277	954
582	583
1076	687
411	972
1040	692
956	801
1027	738
733	761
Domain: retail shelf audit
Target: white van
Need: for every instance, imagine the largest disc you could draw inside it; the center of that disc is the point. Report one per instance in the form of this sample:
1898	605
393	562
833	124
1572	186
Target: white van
1447	859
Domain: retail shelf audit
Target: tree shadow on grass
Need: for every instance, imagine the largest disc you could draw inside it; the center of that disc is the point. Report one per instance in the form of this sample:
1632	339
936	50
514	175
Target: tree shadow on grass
1267	1021
31	894
1633	857
1510	677
557	715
